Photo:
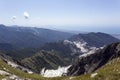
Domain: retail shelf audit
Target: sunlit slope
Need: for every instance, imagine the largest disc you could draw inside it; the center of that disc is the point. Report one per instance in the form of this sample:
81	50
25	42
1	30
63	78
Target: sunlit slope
13	72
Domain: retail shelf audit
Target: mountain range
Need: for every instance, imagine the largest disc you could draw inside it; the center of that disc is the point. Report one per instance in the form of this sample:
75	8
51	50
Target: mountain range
27	37
33	50
66	51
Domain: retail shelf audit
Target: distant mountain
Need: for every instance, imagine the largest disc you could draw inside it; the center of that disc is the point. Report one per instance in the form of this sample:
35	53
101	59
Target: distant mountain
6	46
81	43
89	63
28	37
95	39
116	35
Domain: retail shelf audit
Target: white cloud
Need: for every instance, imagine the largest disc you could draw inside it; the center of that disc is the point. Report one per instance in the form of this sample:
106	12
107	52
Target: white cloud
26	15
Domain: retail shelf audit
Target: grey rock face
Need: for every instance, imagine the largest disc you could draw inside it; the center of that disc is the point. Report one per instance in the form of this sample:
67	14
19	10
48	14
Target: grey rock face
94	61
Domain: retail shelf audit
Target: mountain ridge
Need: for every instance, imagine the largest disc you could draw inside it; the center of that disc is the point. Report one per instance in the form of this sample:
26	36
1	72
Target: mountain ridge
94	61
95	39
27	37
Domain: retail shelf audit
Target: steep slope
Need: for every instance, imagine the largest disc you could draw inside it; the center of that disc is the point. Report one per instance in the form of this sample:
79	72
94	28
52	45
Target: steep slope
6	46
9	73
102	65
110	71
20	53
44	59
95	39
11	70
27	37
90	63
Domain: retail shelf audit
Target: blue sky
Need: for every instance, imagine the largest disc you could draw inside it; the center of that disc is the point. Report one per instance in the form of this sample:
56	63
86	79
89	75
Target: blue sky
84	15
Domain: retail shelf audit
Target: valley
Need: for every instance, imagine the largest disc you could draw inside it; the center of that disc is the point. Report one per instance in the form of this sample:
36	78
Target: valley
74	55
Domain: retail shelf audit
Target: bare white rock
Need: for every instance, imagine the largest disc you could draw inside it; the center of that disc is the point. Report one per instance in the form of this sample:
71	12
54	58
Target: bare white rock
13	77
4	79
14	65
93	75
4	72
54	73
71	78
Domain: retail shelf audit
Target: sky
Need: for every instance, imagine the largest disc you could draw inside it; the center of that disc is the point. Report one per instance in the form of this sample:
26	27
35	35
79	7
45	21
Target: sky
84	15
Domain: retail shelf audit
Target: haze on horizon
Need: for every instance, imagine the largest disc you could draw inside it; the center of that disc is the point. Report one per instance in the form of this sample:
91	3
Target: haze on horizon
82	15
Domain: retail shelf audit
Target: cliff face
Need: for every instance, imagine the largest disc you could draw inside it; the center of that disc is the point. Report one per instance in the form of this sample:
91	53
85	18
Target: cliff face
94	61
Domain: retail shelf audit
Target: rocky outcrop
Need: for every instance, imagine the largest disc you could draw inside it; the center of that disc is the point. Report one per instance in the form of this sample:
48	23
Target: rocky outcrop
14	64
94	61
